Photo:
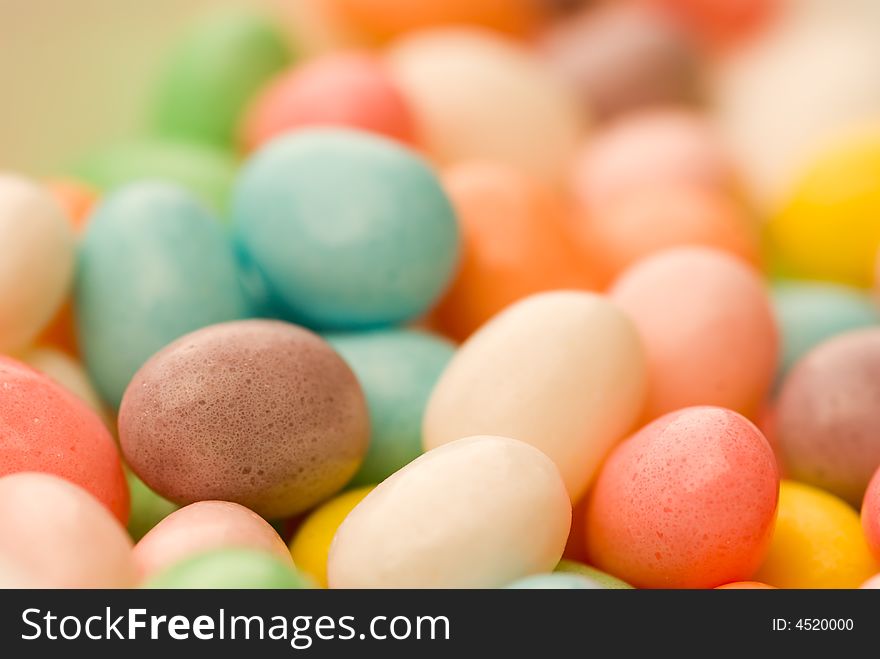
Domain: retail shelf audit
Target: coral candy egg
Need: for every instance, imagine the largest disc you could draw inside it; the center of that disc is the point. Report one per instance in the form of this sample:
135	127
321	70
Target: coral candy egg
871	515
55	535
349	89
201	526
687	502
48	429
635	226
707	326
745	585
515	243
817	542
310	546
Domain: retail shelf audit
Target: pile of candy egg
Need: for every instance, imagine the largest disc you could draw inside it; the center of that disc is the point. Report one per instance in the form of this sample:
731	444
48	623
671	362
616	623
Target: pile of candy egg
476	294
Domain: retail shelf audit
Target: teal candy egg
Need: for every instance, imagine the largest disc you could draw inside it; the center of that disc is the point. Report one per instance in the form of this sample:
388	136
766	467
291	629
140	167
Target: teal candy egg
153	265
808	313
348	230
205	171
556	581
397	370
604	579
229	568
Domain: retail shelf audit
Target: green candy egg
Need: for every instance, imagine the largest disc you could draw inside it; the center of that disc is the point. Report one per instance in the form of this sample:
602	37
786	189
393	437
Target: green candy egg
229	568
556	581
147	507
603	579
213	73
397	370
205	171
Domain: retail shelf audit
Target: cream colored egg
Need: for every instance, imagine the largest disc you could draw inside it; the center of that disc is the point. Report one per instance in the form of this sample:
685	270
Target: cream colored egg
36	260
563	371
66	371
479	96
55	535
476	513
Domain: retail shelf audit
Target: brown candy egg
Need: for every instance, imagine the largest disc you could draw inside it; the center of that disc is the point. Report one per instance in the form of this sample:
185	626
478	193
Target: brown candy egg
262	413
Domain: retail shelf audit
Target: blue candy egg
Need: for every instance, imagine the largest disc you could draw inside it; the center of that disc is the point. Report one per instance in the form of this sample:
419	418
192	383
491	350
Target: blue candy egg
348	230
154	264
808	313
556	581
397	370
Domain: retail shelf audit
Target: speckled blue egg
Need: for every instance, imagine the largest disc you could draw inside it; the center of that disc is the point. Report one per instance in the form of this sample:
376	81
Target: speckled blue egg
808	313
154	264
556	581
348	230
397	370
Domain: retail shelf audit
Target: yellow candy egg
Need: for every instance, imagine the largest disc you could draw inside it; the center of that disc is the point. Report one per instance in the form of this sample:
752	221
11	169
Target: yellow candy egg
311	544
830	226
818	542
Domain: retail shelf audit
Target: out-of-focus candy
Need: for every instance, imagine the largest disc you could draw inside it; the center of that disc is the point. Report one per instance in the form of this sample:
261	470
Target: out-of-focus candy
563	371
350	89
147	507
55	535
873	583
349	230
556	581
745	585
67	372
397	370
808	313
829	227
217	67
871	515
260	412
601	578
203	170
37	257
154	264
458	81
229	568
202	526
384	19
76	200
721	21
48	429
827	415
817	543
635	226
649	149
622	57
61	331
476	513
516	242
310	546
687	502
707	326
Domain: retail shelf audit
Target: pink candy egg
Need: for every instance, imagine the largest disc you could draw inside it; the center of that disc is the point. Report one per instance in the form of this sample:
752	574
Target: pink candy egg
350	89
202	526
689	501
827	415
646	149
707	327
54	534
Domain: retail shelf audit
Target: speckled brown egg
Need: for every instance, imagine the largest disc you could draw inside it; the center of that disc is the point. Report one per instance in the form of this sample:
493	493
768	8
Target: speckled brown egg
258	412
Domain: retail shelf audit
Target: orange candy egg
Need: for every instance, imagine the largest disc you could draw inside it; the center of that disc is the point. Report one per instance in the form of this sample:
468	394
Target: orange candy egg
656	218
746	585
689	501
515	243
350	89
384	19
707	327
76	200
